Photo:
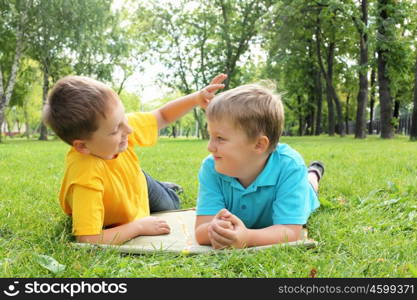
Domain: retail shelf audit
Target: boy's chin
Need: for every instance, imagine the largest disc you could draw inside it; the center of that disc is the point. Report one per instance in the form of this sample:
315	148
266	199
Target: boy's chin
122	148
222	171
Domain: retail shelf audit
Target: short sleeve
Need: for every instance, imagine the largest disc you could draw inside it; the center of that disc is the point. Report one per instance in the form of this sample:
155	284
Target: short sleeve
87	210
210	198
291	204
145	128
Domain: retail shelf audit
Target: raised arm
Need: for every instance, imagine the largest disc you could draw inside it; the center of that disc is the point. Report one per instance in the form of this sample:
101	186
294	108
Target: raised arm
175	109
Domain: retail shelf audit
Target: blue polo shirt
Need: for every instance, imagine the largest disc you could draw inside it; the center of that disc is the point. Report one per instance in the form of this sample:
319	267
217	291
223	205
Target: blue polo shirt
281	194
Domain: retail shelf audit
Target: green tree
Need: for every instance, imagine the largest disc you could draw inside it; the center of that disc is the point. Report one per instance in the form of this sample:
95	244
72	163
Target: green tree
372	98
62	28
413	130
116	45
198	40
183	126
362	98
330	26
20	101
288	61
13	25
131	101
296	38
385	36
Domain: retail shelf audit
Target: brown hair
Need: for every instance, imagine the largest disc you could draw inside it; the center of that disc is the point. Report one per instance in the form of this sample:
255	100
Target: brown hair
74	105
253	108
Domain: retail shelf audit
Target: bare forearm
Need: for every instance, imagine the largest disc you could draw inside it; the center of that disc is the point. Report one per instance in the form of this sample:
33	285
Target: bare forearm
176	109
201	234
275	234
116	235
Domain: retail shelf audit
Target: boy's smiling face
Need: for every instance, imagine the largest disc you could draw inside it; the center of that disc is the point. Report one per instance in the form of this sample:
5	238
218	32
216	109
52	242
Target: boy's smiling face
110	138
234	153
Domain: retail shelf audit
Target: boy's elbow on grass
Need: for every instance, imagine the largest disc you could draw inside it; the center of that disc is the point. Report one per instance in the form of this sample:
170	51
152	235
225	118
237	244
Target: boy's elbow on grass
199	240
87	239
290	233
201	229
275	234
294	232
96	239
201	236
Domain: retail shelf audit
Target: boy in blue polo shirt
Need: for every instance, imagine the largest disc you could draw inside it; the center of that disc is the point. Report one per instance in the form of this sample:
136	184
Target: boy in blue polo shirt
252	190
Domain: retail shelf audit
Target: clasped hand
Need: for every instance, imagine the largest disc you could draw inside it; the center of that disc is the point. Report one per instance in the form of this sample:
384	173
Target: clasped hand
227	230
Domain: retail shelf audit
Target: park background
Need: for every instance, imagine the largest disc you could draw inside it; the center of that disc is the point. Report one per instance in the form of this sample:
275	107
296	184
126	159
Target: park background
347	74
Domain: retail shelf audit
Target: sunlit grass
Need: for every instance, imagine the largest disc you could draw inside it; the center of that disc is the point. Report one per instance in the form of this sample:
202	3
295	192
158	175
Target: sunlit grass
366	226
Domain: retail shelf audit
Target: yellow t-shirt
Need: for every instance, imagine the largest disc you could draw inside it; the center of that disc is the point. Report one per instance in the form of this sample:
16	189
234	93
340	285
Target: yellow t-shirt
99	193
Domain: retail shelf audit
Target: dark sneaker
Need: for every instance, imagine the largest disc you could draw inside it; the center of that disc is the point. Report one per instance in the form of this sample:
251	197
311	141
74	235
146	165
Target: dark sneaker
318	168
173	186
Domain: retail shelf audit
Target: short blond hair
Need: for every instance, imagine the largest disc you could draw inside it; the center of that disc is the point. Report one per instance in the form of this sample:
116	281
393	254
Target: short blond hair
253	108
74	106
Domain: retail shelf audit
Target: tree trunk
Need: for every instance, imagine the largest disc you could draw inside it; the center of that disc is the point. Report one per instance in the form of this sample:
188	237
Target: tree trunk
121	85
312	114
333	93
199	117
250	16
413	130
340	124
372	102
387	130
43	130
319	95
197	132
174	130
330	108
19	125
204	132
300	117
330	90
1	124
330	112
360	130
385	99
396	115
6	93
186	89
26	116
347	113
312	102
9	127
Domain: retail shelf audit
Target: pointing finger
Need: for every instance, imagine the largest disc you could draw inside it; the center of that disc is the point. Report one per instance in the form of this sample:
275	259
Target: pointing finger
214	87
218	79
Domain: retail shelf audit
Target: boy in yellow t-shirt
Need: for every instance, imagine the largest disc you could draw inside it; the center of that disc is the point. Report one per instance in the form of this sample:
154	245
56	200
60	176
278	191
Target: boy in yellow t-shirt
104	189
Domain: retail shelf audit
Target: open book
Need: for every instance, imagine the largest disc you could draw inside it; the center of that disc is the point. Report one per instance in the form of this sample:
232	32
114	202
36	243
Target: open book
181	238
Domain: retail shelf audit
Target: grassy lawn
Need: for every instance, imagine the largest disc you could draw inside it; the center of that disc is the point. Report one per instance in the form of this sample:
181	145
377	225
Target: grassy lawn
366	226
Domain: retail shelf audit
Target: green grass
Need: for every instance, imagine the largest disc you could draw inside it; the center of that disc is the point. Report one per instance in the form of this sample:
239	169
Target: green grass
366	227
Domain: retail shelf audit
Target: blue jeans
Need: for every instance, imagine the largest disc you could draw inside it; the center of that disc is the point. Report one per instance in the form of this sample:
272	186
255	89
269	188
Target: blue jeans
161	197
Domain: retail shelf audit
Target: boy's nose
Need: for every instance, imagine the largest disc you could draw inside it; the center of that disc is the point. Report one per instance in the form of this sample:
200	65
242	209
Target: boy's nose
129	129
210	146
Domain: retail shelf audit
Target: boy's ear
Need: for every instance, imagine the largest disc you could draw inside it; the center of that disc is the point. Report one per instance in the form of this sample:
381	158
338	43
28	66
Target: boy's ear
80	146
262	144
